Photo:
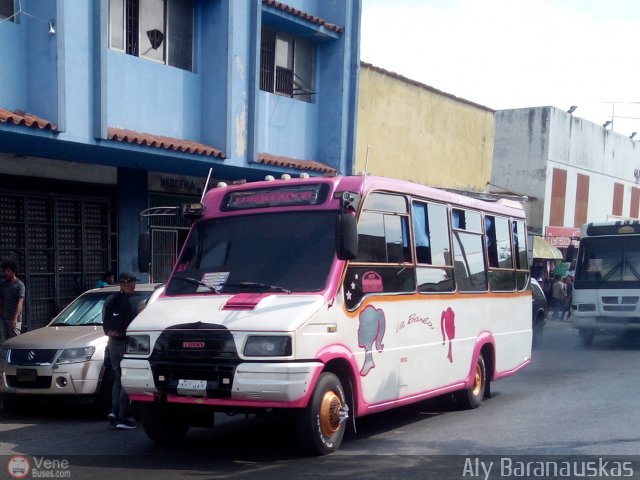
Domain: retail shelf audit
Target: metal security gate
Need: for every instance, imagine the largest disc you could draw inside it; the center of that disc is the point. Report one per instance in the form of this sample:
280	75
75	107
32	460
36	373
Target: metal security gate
168	234
164	250
61	245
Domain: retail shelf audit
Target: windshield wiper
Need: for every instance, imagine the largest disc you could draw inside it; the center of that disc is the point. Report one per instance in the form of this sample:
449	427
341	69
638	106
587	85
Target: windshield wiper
633	270
610	273
276	288
197	282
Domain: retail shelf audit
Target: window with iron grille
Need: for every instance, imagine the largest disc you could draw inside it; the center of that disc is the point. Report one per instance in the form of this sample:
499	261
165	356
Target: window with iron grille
286	65
7	9
158	30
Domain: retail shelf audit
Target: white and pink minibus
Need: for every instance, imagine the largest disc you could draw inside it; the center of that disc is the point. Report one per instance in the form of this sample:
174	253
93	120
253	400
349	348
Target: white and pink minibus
330	298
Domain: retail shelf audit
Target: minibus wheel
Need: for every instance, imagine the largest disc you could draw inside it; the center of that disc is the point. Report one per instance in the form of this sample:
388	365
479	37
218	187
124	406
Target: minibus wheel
162	424
322	424
472	396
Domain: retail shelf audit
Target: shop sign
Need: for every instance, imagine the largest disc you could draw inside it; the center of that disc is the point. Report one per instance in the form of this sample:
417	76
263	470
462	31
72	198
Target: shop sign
183	184
562	237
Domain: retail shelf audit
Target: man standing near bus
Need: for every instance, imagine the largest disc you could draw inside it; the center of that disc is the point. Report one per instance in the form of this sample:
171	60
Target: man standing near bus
11	302
558	296
569	286
118	312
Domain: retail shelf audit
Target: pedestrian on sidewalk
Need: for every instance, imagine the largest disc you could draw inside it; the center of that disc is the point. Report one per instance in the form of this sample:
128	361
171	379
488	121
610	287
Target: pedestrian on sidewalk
558	298
11	302
117	314
569	288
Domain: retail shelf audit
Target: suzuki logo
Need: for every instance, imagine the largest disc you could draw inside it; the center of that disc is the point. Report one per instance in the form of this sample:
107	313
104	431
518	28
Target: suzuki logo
31	355
193	344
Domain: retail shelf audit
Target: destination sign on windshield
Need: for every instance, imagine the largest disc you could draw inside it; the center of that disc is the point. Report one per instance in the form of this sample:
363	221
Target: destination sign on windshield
313	194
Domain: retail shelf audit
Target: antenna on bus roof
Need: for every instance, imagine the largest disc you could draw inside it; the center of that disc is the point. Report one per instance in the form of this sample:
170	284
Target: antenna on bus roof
206	185
366	161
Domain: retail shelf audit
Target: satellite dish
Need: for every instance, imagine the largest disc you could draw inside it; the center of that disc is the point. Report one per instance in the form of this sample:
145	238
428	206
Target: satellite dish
155	38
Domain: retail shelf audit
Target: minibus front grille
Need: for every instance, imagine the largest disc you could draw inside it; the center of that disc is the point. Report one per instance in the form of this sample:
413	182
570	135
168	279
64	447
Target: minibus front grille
192	353
619	308
624	300
195	344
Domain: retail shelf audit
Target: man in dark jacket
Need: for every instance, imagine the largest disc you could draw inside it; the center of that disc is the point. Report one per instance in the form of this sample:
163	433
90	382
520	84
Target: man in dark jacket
126	304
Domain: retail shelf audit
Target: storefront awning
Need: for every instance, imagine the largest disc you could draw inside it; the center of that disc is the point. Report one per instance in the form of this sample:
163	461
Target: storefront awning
544	250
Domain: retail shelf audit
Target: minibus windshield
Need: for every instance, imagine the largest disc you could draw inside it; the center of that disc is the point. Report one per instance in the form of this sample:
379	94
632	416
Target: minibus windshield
280	252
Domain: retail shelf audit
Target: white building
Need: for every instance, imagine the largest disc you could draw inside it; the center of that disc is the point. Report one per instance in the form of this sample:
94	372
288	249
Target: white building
572	170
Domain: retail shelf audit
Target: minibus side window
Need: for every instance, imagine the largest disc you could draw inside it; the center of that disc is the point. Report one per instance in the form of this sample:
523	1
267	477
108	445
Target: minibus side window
470	272
520	254
501	274
384	261
433	254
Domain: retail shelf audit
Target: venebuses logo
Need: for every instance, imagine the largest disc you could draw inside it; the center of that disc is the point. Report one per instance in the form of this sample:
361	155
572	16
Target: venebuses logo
18	466
193	344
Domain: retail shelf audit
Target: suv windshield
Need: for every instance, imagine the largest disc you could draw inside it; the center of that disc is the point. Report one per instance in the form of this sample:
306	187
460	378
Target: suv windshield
87	309
286	251
609	262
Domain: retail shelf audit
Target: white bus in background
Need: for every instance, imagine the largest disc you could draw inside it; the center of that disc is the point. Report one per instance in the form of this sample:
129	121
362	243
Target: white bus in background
606	293
330	299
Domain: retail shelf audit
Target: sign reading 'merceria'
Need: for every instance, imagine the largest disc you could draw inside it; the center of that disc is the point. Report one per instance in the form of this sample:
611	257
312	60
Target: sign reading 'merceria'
163	182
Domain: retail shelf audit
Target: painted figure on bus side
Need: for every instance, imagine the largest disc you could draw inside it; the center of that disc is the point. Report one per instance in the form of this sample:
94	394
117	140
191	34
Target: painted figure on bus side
448	326
371	330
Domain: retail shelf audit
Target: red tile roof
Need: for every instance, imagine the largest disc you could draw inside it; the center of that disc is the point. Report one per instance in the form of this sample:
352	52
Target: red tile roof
287	162
305	16
19	117
187	146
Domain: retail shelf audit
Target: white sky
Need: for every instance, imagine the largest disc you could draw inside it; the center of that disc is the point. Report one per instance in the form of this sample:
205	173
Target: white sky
515	53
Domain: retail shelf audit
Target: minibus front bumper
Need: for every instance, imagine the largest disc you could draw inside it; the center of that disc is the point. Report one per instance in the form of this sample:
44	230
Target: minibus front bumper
251	382
604	323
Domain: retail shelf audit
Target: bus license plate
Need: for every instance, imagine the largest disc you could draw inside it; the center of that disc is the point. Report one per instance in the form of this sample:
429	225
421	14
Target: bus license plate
26	375
192	387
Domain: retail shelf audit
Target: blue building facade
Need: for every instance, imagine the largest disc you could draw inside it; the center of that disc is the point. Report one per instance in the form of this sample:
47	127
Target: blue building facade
109	107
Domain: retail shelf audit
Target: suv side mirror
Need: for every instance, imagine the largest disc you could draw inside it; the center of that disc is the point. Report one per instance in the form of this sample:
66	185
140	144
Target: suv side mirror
347	233
144	252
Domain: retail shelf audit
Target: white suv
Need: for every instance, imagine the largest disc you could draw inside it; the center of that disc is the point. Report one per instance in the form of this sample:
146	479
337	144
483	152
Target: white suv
65	360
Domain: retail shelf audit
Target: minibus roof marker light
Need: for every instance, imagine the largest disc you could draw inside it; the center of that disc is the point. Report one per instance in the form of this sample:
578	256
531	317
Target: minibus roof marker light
304	175
221	184
269	178
350	202
285	176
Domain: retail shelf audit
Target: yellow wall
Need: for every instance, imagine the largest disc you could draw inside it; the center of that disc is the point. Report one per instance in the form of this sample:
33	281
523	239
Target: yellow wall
415	132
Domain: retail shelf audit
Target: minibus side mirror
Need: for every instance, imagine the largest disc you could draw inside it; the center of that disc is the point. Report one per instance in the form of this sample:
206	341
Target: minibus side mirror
347	233
144	252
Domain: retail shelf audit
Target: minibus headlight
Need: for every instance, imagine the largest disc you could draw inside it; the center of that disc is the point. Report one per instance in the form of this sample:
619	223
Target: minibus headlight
586	307
76	355
139	344
268	346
